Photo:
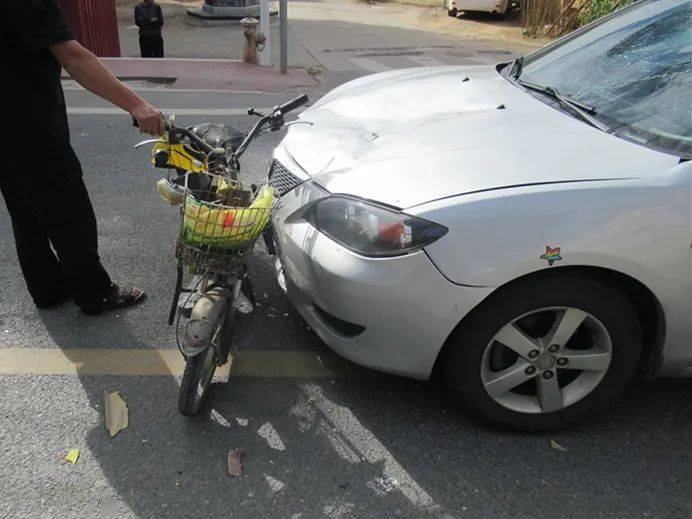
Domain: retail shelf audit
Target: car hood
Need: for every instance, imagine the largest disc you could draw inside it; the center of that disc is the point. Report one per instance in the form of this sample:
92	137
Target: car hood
407	137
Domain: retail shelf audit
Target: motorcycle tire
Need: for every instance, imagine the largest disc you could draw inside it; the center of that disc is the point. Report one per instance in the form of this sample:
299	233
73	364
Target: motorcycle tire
199	370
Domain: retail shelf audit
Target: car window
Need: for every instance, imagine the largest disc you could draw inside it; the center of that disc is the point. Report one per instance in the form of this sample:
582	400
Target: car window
634	70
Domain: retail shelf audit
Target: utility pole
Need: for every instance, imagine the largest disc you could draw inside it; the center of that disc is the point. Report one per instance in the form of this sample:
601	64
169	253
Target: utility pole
283	35
265	28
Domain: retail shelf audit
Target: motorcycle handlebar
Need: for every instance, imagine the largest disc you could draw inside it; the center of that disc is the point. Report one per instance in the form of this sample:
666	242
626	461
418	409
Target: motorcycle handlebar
292	105
183	131
278	112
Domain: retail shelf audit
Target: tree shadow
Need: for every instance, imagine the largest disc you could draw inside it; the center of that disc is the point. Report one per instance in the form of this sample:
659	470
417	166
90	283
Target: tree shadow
300	456
363	446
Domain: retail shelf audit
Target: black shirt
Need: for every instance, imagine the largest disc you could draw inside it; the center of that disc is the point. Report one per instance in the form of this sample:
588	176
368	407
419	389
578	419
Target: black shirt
36	120
143	15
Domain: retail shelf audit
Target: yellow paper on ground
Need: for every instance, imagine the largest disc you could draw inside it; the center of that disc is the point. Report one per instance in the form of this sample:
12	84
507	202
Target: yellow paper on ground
72	456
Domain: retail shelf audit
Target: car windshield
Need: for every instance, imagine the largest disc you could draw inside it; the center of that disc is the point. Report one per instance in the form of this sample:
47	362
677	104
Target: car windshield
633	69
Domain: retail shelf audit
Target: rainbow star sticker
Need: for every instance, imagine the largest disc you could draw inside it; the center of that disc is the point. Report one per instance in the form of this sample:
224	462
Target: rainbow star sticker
552	255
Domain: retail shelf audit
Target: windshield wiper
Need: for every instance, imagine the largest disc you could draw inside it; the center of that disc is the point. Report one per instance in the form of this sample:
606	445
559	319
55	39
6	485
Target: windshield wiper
583	110
516	66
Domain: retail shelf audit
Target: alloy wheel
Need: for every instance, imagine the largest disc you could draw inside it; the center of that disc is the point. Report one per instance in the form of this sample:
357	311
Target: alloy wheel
546	360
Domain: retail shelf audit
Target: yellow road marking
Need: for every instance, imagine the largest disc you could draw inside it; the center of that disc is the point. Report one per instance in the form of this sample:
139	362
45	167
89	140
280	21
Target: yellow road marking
88	361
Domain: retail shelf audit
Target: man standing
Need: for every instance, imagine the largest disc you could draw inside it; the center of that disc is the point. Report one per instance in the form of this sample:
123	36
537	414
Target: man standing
149	19
40	176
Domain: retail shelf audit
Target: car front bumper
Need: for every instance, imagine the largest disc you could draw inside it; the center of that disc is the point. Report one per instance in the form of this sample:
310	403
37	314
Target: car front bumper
391	314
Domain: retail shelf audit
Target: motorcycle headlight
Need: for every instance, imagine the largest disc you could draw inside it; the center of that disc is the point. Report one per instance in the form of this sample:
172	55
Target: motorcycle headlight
369	229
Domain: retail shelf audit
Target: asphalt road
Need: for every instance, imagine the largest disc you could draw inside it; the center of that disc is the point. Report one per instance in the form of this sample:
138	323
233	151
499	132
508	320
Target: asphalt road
354	444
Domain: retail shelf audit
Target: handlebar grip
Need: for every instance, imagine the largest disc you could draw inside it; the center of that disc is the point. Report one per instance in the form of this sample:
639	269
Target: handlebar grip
295	103
166	126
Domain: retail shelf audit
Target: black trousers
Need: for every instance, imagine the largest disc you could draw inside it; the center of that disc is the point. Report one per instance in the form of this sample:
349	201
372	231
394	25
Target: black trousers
151	46
54	230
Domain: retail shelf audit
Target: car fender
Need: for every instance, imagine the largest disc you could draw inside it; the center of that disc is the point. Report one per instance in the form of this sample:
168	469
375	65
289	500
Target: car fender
638	227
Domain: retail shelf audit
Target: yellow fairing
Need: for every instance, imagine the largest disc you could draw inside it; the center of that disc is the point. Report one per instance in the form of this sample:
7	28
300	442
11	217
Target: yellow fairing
179	157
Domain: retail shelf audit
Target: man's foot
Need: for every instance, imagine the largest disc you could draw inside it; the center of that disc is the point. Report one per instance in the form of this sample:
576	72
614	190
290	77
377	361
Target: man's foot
118	298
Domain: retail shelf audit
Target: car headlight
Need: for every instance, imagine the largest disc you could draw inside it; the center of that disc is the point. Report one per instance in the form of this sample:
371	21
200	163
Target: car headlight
369	229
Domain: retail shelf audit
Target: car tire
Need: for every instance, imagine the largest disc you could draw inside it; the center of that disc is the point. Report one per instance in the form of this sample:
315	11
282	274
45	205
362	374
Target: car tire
610	332
452	13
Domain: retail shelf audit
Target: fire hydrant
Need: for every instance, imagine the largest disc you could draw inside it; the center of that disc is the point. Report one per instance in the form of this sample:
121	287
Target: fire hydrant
254	42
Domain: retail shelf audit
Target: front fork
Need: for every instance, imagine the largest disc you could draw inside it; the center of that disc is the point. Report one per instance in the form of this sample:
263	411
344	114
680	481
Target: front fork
176	294
220	299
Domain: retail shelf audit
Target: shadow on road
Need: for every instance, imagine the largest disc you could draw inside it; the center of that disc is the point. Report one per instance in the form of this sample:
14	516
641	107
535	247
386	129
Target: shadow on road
380	446
352	447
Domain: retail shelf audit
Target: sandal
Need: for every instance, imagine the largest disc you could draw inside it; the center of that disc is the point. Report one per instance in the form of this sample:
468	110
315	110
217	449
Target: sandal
118	298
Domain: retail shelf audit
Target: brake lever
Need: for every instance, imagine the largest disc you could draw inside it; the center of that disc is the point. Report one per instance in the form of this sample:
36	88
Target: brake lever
149	141
252	111
277	122
292	123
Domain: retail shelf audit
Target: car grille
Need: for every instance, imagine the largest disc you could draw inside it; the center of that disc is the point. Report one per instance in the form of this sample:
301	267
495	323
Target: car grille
282	179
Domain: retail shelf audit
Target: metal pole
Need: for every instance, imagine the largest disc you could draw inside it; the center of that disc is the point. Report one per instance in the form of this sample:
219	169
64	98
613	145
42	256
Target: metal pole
283	34
266	56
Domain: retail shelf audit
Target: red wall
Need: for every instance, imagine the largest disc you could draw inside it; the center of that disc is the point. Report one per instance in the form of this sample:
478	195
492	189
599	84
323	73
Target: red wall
95	25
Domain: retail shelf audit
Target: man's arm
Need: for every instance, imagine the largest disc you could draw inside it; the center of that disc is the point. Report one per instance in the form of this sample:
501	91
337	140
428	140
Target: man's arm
88	71
159	15
139	20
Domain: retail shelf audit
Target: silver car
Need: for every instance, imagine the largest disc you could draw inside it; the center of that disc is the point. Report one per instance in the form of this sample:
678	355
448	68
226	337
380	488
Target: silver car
521	230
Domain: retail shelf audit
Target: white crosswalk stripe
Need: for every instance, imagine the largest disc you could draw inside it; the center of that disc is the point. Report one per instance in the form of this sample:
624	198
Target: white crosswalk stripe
370	64
426	61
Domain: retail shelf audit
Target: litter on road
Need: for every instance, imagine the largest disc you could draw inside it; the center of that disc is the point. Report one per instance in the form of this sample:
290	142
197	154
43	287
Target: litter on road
72	456
555	445
235	462
117	417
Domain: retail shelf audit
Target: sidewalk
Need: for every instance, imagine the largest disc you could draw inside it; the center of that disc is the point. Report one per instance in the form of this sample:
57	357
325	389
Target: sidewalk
208	74
329	24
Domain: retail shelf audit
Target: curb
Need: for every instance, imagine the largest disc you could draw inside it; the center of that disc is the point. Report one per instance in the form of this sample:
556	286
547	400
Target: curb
203	74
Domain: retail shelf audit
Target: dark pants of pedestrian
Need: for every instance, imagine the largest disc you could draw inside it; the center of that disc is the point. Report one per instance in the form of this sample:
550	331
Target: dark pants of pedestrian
54	230
151	46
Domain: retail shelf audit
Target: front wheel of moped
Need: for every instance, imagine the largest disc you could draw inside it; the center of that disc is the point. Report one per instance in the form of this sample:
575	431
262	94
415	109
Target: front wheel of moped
199	370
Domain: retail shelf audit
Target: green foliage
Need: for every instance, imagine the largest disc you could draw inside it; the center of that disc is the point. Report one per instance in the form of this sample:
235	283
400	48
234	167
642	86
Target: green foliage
551	18
598	8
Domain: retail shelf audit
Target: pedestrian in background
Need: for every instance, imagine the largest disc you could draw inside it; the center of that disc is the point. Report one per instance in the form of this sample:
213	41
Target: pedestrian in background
40	175
149	19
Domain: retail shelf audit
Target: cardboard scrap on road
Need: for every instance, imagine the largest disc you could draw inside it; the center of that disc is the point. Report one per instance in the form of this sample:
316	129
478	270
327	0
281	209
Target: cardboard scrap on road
117	417
555	445
235	462
72	456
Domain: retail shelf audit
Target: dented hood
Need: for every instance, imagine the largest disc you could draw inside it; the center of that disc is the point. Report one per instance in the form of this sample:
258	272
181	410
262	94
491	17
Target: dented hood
407	137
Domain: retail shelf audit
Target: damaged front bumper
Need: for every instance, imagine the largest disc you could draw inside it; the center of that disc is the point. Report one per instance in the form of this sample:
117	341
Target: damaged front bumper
391	314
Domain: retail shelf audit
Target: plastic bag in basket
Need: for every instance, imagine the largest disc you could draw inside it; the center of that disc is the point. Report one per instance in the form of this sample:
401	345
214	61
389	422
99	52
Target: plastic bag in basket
222	227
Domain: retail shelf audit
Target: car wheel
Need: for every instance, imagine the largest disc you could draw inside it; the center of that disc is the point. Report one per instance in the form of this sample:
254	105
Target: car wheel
543	354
